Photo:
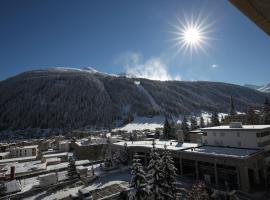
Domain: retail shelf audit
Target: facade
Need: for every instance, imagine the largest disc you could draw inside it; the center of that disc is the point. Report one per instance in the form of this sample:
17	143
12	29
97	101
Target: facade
23	151
239	136
64	146
222	167
93	149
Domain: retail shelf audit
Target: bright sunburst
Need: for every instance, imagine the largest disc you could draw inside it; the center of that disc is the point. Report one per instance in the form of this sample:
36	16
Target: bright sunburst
191	35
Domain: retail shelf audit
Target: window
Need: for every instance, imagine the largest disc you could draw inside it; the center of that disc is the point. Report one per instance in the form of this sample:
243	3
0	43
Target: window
222	134
239	143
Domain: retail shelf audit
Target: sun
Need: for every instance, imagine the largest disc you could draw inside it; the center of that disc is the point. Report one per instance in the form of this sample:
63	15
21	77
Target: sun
191	35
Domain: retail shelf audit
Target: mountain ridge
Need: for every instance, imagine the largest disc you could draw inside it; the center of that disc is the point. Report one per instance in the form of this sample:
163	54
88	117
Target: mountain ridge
57	98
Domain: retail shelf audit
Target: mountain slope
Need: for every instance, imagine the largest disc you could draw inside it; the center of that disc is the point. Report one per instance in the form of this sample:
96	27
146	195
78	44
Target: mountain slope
71	98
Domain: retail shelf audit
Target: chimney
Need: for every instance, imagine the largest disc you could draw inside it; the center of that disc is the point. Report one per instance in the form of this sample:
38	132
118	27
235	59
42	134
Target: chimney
12	172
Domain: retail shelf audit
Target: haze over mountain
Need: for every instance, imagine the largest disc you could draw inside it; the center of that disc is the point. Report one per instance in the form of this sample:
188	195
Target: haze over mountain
74	98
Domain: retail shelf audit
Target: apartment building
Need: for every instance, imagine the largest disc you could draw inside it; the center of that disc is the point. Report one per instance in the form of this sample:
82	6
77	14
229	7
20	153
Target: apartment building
239	136
23	151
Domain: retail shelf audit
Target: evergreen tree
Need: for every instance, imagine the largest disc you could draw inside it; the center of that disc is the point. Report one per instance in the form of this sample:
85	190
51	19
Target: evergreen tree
252	118
232	108
155	176
166	129
215	120
3	188
169	174
266	112
185	127
138	183
202	124
193	123
72	169
198	192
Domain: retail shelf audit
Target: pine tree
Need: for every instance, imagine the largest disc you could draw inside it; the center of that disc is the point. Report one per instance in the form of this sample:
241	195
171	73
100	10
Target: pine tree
169	174
155	176
166	129
198	192
266	112
215	120
3	188
72	169
184	125
202	124
193	123
252	118
138	185
232	108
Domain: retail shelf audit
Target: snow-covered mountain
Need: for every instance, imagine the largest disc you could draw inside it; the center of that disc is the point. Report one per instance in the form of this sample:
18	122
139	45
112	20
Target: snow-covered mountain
261	88
74	98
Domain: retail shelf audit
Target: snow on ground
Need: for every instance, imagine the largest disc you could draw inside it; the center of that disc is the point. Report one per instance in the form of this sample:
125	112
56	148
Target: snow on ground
142	123
108	179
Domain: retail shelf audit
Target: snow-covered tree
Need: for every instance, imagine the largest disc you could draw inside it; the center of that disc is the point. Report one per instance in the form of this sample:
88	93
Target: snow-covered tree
214	119
266	112
169	173
108	160
193	123
202	123
72	169
166	129
184	125
3	188
138	185
155	175
198	192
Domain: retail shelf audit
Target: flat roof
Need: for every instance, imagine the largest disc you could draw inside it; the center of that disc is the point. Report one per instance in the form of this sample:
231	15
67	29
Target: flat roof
4	153
55	155
171	144
244	128
17	159
23	147
223	151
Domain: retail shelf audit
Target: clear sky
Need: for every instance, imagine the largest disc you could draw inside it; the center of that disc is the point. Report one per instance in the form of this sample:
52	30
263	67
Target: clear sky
134	36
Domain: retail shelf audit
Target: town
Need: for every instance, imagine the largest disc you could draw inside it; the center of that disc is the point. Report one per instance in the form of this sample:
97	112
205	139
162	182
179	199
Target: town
228	157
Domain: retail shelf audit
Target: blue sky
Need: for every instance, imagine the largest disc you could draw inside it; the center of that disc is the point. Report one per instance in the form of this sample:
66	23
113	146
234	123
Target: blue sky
134	36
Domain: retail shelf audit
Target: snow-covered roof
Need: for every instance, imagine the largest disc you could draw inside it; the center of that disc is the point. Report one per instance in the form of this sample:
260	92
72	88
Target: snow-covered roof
25	167
82	162
13	186
17	159
244	127
171	145
223	151
55	155
4	153
24	147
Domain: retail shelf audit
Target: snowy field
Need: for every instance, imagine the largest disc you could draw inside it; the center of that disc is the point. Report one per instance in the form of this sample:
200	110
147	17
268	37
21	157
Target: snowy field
142	123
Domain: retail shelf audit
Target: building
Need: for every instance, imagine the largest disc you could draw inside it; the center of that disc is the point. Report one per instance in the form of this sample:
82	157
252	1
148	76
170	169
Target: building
239	136
223	167
91	149
4	155
23	151
64	146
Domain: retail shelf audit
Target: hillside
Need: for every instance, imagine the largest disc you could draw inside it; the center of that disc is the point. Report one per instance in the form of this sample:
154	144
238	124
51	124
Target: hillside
72	98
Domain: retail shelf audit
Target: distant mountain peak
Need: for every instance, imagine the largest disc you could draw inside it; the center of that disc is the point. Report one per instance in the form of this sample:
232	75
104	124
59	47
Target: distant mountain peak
261	88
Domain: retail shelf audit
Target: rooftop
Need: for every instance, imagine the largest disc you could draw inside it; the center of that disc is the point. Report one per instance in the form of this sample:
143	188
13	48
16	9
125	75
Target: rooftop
24	147
224	151
244	127
55	155
171	144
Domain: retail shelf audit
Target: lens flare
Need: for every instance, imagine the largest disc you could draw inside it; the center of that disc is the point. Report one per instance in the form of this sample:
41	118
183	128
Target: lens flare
191	35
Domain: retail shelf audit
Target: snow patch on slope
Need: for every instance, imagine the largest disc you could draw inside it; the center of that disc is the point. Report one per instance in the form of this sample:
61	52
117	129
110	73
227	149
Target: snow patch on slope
142	123
151	99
